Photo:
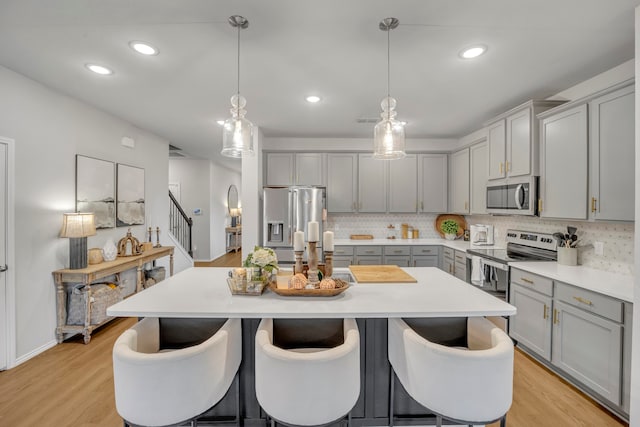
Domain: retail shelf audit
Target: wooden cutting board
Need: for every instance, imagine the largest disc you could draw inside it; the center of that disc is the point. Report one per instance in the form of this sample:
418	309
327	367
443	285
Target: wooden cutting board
380	274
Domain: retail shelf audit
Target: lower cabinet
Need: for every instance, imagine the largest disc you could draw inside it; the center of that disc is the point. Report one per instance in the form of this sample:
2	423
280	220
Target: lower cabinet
425	261
580	334
460	265
368	255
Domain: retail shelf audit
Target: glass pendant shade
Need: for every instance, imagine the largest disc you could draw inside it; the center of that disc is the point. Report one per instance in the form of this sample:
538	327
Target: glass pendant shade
388	135
237	132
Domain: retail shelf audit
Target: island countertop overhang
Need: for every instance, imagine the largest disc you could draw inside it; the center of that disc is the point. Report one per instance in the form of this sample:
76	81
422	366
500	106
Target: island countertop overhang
200	292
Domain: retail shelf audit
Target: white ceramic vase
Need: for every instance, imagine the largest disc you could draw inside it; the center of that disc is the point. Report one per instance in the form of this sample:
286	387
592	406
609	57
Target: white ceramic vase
109	250
450	236
567	256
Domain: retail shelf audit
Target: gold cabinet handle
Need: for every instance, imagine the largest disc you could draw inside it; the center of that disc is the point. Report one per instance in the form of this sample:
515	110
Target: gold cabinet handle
466	204
539	205
556	320
593	204
397	252
583	301
545	313
506	167
339	251
368	252
526	280
500	168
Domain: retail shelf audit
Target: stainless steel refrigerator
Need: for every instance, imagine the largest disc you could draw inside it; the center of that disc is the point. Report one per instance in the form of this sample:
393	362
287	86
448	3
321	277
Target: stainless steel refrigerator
287	210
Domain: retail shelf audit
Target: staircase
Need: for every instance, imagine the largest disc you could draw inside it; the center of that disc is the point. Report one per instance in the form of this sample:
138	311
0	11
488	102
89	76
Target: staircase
180	224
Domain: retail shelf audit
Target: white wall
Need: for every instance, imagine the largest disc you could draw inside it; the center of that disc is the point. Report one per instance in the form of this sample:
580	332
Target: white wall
49	130
193	177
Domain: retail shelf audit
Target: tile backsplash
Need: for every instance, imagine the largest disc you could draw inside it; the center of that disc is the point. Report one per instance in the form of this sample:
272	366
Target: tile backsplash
616	236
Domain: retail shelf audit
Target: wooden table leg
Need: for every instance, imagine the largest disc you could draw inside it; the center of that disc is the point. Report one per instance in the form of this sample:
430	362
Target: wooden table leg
61	310
140	278
171	264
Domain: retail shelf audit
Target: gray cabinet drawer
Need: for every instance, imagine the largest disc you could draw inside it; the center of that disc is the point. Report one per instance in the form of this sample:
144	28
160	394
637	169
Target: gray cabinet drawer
448	252
460	257
369	260
397	250
368	250
532	281
424	250
592	302
343	250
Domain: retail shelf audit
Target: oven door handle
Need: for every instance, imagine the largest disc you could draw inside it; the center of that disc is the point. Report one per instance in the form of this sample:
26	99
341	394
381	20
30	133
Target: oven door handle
498	265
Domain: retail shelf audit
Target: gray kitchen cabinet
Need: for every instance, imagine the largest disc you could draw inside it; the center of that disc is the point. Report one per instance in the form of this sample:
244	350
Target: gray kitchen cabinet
531	326
342	182
496	149
518	153
460	265
460	182
295	169
432	182
368	255
563	178
425	256
280	169
403	185
612	155
372	184
479	172
397	255
588	347
448	260
343	256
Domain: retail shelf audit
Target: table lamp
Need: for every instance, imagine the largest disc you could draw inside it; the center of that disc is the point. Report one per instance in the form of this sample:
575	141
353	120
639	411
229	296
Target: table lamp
77	226
234	216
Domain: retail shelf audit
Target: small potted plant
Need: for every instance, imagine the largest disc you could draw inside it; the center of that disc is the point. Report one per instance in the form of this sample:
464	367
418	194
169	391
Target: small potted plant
450	229
261	263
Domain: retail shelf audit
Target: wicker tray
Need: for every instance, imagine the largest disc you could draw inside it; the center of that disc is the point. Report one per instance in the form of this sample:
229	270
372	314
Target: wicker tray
310	292
252	288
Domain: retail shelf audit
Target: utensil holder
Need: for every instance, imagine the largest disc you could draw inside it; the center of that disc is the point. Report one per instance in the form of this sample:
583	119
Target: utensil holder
567	256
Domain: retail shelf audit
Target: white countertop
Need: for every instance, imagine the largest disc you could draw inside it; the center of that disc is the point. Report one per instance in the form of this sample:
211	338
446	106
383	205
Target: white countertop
203	292
460	244
611	284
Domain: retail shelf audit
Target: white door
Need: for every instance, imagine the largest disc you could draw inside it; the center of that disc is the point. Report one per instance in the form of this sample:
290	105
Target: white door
3	256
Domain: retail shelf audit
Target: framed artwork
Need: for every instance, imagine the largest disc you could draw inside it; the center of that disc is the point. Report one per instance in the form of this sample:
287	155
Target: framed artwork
95	189
130	196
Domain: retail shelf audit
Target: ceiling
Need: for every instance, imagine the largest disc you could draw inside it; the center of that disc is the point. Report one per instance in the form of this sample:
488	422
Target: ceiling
293	48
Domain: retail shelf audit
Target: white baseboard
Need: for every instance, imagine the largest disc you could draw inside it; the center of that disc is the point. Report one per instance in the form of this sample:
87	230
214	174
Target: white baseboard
33	353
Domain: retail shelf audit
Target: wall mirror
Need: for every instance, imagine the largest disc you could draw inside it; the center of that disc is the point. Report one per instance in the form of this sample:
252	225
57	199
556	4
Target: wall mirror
232	198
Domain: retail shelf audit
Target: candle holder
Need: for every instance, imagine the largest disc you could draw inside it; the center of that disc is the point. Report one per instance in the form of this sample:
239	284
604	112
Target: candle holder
328	263
312	273
298	266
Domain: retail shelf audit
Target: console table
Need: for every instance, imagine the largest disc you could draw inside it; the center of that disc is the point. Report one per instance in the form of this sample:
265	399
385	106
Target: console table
234	238
95	272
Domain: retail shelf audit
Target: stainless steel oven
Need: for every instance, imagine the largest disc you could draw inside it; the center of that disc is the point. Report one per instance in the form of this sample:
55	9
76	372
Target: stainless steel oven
517	196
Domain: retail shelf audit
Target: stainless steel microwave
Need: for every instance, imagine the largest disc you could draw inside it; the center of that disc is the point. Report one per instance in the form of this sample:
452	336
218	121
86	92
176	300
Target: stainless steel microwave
517	196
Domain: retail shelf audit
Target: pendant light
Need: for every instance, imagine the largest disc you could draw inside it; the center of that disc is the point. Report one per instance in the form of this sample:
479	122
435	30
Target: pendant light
388	135
237	132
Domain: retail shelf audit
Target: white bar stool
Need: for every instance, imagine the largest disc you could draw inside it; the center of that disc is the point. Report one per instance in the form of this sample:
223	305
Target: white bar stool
154	387
308	385
471	385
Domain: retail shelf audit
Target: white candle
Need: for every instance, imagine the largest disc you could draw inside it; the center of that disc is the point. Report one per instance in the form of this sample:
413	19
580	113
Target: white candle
314	231
327	241
298	241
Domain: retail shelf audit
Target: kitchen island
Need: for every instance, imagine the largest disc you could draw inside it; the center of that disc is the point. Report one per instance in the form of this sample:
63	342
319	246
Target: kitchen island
201	293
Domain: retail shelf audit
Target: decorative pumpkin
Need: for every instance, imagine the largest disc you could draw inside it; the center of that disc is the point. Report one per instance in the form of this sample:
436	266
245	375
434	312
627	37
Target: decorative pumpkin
298	281
328	283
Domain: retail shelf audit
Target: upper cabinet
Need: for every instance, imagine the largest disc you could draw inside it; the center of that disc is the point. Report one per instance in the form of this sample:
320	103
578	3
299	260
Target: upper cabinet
372	184
460	182
479	173
432	182
295	169
342	182
513	141
612	155
587	155
563	182
403	184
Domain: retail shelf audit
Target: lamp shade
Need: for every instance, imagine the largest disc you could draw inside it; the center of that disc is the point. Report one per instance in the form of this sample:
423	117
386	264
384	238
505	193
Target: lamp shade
78	225
234	212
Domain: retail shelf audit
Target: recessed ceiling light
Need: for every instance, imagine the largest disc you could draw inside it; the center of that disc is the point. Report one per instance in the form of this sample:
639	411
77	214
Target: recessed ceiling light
99	69
220	122
473	52
143	48
313	99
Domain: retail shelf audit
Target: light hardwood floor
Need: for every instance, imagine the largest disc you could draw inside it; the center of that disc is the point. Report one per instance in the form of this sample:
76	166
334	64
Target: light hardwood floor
72	385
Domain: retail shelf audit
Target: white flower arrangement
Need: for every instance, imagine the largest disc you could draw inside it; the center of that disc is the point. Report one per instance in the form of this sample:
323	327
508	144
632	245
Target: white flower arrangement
264	258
